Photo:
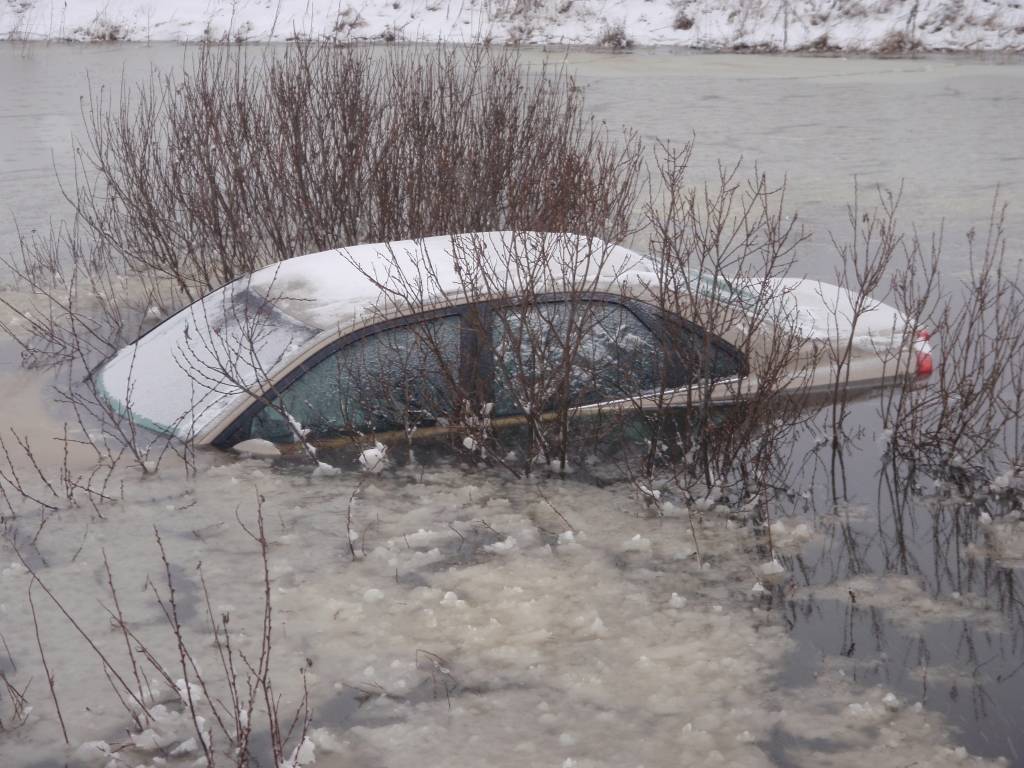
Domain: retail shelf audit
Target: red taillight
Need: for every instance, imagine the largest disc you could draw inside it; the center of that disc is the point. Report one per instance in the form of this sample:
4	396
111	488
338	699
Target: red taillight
923	350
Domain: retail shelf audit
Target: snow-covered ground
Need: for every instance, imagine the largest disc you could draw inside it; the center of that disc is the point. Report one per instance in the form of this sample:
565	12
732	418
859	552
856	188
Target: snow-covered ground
887	26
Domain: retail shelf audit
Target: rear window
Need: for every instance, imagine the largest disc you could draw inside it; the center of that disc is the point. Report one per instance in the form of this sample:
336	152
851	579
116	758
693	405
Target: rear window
198	364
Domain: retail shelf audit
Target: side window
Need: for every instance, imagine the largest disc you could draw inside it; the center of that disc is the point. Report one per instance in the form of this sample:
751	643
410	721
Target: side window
590	351
390	379
698	355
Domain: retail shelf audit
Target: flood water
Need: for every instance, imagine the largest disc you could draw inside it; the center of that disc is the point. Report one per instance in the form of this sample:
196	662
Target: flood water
901	592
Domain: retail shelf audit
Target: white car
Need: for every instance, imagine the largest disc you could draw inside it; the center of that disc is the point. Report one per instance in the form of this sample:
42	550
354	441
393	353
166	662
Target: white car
372	338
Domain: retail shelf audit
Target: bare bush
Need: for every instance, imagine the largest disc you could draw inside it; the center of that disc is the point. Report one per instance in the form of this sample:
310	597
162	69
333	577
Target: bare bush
615	37
966	424
682	20
721	252
191	179
224	709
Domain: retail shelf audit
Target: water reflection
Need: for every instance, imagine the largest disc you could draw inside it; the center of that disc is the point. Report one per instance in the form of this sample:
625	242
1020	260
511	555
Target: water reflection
905	586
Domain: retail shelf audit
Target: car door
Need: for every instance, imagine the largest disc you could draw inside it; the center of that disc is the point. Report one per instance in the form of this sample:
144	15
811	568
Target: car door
598	350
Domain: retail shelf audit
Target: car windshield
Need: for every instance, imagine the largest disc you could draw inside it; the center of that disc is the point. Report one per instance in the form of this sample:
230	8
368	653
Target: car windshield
197	365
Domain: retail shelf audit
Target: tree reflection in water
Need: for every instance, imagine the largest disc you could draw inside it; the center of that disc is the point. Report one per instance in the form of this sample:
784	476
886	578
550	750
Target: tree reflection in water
911	583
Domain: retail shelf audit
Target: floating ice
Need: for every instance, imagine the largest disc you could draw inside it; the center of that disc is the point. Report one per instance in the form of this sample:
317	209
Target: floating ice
374	460
1006	481
185	690
186	747
676	601
303	754
637	544
14	569
256	447
93	754
150	741
326	741
323	469
451	600
501	547
469	443
651	493
373	596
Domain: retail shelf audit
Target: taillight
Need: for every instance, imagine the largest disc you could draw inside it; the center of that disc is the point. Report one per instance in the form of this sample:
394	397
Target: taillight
923	350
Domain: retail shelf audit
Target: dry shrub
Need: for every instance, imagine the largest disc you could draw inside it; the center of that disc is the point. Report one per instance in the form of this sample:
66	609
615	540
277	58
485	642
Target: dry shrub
189	180
614	36
682	20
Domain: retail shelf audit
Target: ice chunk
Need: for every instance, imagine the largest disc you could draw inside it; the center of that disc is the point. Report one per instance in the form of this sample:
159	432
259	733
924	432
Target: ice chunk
186	747
150	741
501	547
651	493
325	740
676	601
303	754
469	443
374	460
256	447
985	518
451	600
758	588
772	568
566	537
373	596
14	569
323	469
93	753
891	702
189	689
637	544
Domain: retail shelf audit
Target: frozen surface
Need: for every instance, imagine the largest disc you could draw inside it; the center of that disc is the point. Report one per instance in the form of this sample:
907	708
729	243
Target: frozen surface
474	628
884	25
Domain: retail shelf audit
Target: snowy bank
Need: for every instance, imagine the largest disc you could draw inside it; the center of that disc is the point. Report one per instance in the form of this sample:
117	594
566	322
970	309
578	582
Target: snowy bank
881	26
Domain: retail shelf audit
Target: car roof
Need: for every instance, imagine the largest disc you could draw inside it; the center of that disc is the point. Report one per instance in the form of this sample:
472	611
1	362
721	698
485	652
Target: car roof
335	288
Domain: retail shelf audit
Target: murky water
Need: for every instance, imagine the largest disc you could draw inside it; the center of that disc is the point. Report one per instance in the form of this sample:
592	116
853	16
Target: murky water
591	656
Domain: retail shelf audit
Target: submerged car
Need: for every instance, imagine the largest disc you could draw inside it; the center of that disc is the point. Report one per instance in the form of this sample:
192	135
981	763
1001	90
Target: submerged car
399	336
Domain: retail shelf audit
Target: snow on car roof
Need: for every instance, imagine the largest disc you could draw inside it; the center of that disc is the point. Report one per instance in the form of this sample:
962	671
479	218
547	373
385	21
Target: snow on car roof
197	366
336	287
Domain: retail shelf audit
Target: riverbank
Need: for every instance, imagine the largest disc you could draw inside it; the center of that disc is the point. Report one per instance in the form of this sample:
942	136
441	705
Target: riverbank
871	26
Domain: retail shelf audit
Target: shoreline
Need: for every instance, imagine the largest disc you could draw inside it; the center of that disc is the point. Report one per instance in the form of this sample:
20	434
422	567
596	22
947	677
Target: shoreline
896	28
1006	56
